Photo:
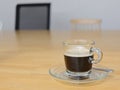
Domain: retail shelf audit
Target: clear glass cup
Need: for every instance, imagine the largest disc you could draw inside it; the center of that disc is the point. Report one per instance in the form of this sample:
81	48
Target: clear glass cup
79	57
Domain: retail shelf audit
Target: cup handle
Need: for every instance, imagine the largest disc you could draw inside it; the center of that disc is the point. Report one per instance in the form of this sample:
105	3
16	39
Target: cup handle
99	53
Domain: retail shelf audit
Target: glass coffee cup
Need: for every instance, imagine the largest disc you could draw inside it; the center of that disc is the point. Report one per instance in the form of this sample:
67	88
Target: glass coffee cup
79	57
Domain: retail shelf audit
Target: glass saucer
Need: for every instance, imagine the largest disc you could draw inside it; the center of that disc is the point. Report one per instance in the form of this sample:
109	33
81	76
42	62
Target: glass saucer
98	72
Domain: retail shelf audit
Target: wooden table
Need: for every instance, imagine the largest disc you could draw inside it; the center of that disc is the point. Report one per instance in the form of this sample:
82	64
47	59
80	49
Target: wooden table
26	56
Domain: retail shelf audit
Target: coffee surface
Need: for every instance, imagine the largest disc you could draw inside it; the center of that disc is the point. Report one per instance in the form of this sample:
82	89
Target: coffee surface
78	52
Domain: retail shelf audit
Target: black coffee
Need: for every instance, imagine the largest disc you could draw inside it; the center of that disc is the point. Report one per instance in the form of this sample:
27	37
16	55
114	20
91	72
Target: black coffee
78	63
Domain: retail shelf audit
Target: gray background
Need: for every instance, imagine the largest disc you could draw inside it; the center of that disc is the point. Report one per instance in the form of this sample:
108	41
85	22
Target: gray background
64	10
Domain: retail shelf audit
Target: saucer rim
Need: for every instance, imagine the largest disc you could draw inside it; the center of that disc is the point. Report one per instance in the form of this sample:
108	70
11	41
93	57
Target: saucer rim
79	81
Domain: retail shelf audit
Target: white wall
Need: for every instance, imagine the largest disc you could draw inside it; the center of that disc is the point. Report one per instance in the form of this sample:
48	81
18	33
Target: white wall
64	10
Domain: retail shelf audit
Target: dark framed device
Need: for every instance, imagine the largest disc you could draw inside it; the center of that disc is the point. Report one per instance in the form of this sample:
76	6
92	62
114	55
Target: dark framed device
33	16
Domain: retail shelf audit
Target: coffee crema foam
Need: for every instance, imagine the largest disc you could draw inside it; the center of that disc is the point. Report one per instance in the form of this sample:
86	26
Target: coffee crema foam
78	52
